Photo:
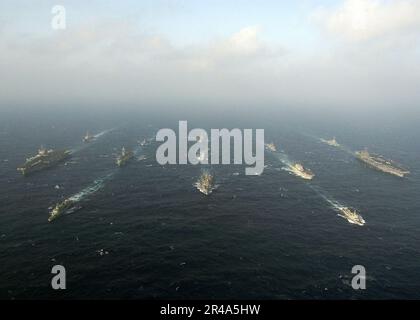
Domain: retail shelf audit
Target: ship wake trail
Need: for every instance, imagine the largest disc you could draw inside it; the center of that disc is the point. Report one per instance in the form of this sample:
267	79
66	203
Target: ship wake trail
351	215
71	204
100	183
100	134
322	194
346	149
341	146
343	211
284	159
95	138
97	185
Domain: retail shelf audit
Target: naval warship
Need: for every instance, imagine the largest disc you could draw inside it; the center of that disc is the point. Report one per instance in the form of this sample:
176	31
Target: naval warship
379	163
331	142
88	137
302	172
61	208
205	183
44	159
351	215
271	147
124	157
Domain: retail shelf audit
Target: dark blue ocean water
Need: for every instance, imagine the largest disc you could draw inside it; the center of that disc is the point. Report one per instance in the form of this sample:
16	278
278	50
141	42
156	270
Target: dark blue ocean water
148	233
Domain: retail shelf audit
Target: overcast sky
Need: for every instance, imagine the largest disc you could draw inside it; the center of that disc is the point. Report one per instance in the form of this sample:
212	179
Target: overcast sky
338	53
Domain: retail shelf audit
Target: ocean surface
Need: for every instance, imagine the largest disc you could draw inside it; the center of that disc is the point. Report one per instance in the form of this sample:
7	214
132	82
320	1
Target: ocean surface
144	231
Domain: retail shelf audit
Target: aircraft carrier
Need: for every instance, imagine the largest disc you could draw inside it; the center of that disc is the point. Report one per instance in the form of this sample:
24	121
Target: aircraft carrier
379	163
44	159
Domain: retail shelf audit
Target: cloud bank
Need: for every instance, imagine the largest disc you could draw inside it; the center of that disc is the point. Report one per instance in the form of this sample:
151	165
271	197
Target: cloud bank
362	20
367	57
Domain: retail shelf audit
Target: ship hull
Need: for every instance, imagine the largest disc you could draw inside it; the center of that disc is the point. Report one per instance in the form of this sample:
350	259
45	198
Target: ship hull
123	162
205	191
377	167
359	223
302	175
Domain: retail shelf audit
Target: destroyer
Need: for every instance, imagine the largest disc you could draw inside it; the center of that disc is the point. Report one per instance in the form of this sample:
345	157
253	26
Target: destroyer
44	159
379	163
205	183
88	137
61	208
331	142
302	172
351	215
124	157
271	147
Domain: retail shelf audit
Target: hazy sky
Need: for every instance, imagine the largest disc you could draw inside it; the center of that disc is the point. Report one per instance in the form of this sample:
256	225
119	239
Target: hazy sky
343	54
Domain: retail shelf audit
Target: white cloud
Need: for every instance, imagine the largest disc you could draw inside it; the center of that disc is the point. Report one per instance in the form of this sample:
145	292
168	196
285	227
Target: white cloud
242	50
117	64
244	42
361	20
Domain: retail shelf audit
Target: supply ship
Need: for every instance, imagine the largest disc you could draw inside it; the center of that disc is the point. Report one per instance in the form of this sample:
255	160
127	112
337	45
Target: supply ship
205	183
44	159
124	157
379	163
